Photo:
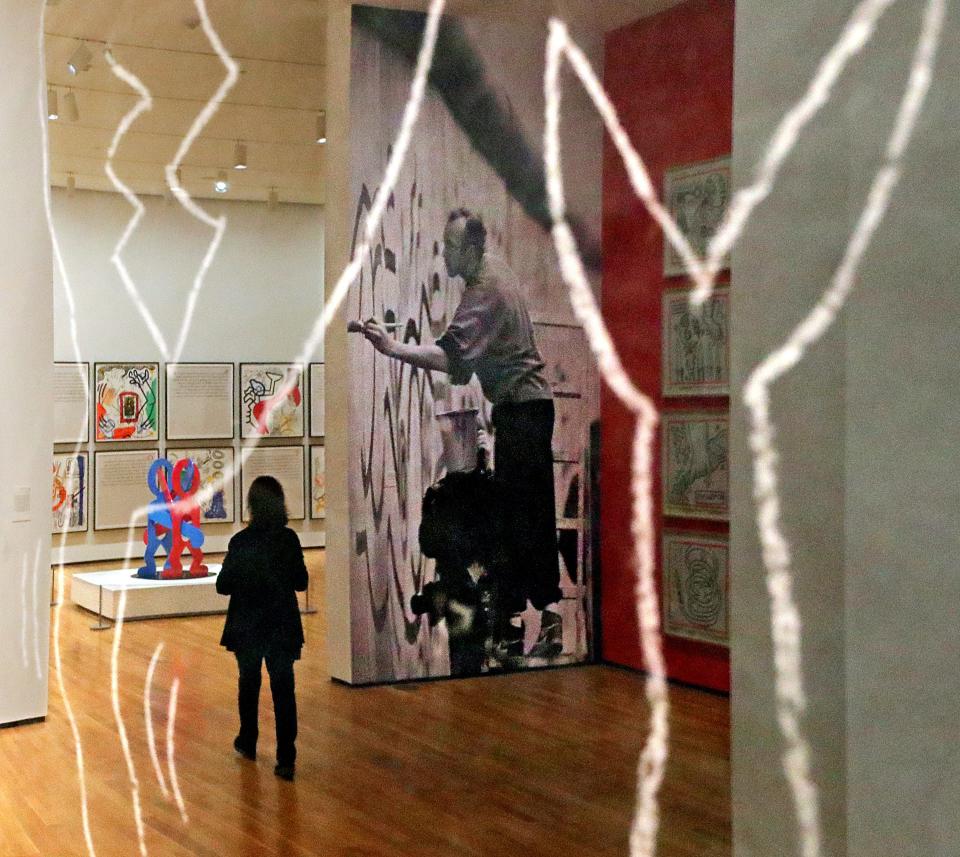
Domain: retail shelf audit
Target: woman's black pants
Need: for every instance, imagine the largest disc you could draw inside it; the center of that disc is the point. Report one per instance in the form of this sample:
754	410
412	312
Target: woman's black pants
280	670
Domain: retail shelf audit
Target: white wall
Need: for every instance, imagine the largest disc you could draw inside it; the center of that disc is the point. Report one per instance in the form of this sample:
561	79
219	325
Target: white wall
867	430
258	303
26	343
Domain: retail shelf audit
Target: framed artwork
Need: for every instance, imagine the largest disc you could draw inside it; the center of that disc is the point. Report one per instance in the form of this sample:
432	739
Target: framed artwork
318	482
696	586
70	492
695	471
126	401
120	488
283	463
318	379
264	411
696	346
199	401
216	474
71	402
696	195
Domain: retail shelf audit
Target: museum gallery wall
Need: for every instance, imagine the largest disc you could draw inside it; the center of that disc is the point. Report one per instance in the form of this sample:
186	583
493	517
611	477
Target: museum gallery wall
135	405
680	122
395	450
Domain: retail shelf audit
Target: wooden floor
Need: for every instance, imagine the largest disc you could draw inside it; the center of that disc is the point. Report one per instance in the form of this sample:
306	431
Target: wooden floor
519	765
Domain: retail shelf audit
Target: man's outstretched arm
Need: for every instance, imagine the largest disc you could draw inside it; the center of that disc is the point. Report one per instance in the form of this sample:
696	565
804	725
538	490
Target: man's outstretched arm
423	356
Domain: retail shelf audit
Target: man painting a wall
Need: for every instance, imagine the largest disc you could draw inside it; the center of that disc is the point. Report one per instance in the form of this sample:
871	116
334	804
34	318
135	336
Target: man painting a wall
491	335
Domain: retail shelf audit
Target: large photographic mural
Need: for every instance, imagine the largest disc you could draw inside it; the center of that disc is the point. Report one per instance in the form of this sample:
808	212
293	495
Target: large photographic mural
396	452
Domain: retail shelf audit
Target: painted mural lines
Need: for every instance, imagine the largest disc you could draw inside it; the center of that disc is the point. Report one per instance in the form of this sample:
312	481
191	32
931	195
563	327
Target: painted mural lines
384	193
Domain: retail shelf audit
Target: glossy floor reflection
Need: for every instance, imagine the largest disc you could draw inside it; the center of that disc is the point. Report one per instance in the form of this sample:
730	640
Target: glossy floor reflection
520	765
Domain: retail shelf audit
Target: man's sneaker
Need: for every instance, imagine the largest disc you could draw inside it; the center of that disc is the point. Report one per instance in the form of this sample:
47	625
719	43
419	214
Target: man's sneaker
510	649
244	751
285	772
550	641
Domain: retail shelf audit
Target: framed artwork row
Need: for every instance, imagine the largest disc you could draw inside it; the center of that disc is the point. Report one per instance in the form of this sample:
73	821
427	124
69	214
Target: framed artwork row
695	464
201	401
118	485
696	196
696	345
696	577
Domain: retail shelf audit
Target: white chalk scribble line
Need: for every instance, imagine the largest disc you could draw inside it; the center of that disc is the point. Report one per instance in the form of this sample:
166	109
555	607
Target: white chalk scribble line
144	104
75	342
36	608
171	755
24	610
118	719
786	623
148	719
395	163
653	757
856	34
783	612
218	224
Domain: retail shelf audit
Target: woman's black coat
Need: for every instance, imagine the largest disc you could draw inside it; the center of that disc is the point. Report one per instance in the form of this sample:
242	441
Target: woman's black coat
261	572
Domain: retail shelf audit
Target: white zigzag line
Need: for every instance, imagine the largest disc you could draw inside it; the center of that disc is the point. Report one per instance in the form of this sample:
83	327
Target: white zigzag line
118	718
785	617
855	36
148	719
652	762
382	196
75	341
171	763
142	106
218	224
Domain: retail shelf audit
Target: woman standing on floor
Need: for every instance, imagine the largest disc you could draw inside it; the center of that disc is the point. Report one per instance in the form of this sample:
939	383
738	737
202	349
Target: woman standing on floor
262	572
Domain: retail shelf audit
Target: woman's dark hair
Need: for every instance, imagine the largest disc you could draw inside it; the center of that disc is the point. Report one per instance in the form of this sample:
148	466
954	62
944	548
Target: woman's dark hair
266	503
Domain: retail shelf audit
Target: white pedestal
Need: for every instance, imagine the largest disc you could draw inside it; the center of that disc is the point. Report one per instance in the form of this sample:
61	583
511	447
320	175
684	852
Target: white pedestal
146	599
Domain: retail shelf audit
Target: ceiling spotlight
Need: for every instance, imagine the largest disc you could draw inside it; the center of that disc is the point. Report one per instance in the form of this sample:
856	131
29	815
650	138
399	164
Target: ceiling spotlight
70	110
80	59
53	104
272	199
221	185
322	126
71	184
240	156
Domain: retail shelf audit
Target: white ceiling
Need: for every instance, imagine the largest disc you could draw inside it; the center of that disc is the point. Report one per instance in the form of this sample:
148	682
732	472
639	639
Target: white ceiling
280	47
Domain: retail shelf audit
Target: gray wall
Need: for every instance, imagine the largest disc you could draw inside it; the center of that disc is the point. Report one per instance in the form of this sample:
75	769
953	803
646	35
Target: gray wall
26	353
865	423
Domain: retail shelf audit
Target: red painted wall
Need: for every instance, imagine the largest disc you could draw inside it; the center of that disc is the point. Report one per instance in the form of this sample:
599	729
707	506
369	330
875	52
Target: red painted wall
671	79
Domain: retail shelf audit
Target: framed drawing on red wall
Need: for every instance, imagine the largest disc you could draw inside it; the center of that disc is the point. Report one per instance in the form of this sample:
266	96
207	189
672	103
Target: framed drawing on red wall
695	586
695	474
696	346
696	195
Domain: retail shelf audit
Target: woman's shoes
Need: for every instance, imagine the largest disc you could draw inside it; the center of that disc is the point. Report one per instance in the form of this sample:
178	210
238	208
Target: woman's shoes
285	772
245	752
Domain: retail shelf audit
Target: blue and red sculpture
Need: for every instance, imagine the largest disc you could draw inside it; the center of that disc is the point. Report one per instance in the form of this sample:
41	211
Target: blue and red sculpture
173	521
